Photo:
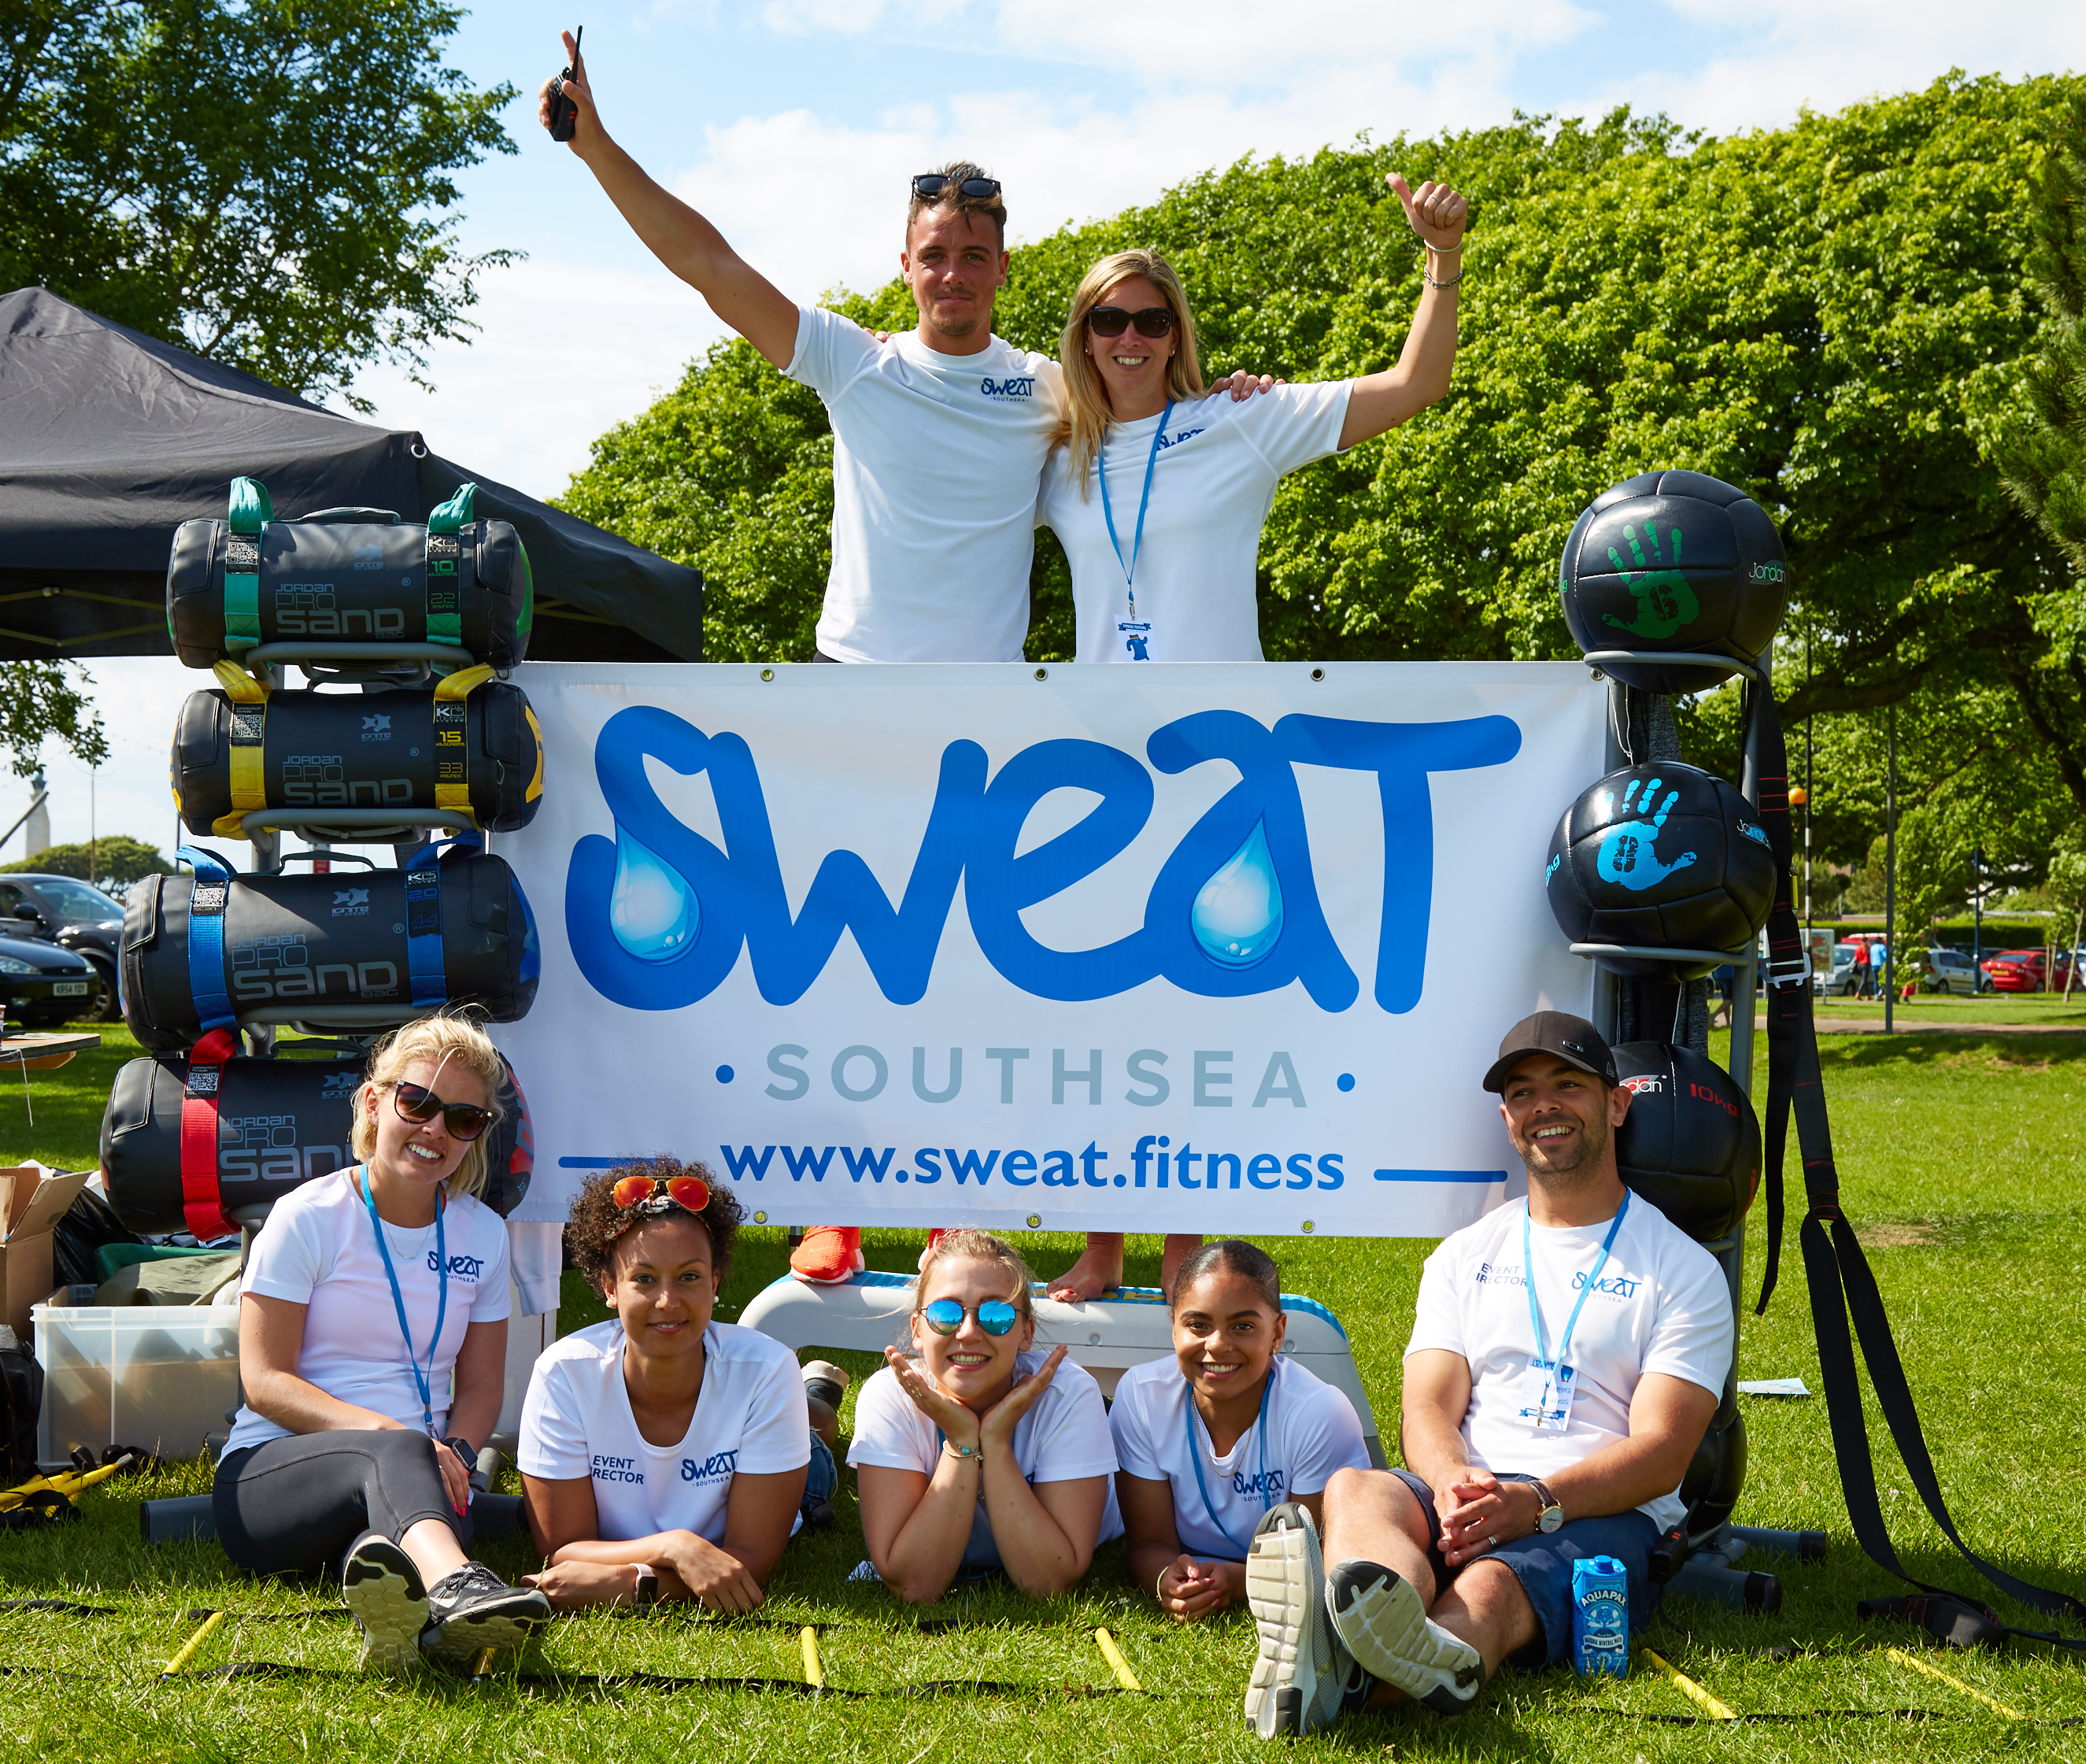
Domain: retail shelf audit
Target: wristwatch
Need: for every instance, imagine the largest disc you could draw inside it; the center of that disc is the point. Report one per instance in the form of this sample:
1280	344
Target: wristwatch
648	1586
1549	1514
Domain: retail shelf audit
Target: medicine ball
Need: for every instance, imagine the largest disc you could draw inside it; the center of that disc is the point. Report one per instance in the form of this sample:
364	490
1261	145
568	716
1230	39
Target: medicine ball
1665	856
1691	1142
280	1123
1677	562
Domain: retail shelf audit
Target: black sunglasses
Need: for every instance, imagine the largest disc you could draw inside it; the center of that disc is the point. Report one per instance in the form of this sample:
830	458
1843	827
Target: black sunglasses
1113	321
416	1103
929	185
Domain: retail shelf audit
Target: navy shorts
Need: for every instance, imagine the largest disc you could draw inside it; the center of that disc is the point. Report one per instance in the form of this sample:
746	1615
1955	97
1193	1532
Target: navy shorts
1543	1565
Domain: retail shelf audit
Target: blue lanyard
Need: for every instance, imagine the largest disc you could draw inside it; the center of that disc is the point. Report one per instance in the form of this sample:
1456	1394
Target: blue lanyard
1144	502
425	1379
1528	1278
1195	1458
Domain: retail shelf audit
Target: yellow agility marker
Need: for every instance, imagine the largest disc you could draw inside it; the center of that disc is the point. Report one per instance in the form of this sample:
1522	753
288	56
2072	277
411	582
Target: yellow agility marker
1118	1664
180	1661
1940	1677
814	1670
1693	1692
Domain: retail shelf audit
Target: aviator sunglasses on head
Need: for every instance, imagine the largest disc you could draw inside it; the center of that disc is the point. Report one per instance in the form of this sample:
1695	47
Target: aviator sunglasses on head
417	1103
929	185
651	1194
995	1316
1113	321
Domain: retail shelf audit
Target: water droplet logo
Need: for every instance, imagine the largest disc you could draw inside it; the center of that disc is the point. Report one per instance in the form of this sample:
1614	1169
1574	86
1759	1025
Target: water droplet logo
652	911
1237	915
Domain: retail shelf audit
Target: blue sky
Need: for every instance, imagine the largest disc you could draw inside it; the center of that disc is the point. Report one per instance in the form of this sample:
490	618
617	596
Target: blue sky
794	124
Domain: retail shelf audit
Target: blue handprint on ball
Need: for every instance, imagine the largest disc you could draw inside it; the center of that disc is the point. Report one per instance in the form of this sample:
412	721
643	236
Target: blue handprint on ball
1625	856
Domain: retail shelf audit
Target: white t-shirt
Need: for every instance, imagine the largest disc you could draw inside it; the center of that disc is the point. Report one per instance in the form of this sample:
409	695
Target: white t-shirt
750	1416
1312	1431
1063	1437
317	1251
1211	489
1660	1305
935	462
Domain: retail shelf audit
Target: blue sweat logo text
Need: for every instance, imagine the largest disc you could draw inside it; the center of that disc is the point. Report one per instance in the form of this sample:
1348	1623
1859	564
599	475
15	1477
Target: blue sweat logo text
657	916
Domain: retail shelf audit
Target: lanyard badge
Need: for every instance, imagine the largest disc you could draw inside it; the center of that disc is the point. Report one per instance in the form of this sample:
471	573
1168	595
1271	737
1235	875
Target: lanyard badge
1135	633
1195	1458
1547	1385
423	1381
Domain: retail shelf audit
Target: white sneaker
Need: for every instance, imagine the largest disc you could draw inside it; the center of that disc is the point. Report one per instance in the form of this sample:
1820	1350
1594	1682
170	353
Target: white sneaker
1303	1678
1379	1618
380	1584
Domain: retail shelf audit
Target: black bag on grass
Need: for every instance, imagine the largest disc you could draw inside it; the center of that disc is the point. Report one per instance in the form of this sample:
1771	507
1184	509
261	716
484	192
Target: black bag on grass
469	750
21	1401
346	952
347	585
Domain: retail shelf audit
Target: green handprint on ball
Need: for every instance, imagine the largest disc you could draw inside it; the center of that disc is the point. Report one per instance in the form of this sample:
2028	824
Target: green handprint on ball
1665	602
1625	856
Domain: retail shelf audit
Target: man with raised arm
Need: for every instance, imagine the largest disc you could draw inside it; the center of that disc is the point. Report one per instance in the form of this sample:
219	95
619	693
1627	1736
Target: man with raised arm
939	434
1567	1356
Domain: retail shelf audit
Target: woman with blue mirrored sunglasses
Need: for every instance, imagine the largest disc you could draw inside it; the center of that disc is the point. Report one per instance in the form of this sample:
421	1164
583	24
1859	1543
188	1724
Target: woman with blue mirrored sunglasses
975	1451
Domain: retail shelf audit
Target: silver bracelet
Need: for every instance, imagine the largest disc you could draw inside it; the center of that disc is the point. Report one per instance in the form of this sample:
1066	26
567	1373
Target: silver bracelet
975	1454
1452	281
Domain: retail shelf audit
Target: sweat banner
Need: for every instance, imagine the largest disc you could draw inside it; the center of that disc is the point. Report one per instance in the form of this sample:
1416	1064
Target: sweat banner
1173	948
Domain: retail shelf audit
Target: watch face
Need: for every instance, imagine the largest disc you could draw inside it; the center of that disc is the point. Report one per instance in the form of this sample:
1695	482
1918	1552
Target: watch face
1553	1518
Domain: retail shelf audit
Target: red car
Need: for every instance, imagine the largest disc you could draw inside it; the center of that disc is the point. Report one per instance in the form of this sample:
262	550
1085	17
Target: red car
2024	970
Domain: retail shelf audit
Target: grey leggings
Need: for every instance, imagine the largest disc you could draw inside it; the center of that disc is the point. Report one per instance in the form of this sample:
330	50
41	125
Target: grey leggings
293	1506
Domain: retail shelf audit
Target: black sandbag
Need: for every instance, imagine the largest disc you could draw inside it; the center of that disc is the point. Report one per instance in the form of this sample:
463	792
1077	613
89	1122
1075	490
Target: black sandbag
329	952
365	753
327	581
281	1123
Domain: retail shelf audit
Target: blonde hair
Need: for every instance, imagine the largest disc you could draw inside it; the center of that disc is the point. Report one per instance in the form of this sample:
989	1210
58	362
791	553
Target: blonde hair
1084	416
452	1041
965	1245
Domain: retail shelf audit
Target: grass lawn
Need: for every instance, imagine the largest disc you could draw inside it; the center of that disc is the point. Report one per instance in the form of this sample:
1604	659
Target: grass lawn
1964	1159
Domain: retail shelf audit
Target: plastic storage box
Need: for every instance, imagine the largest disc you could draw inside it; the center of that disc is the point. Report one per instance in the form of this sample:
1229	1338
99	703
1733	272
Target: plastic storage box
159	1376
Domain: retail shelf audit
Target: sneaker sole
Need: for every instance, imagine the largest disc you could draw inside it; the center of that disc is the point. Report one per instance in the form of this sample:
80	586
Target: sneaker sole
1285	1590
1379	1618
459	1640
377	1583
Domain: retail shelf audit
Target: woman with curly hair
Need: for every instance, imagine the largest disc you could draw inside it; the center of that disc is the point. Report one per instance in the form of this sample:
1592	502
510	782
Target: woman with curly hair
978	1453
373	1352
665	1455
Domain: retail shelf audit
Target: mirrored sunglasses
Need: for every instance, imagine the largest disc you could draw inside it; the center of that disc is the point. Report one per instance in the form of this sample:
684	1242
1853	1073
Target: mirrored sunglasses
416	1103
651	1194
995	1316
1113	321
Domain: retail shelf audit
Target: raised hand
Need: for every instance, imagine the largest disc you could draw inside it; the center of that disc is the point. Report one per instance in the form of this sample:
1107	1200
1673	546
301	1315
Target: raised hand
1625	856
1435	211
586	123
996	1428
959	1425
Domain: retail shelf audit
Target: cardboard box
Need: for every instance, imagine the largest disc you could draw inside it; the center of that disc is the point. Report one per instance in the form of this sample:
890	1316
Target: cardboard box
32	1200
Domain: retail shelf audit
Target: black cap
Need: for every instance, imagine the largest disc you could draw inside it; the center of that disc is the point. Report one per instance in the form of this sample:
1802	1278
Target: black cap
1573	1039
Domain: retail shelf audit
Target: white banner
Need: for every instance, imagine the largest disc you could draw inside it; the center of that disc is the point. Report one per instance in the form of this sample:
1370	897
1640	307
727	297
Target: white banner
1222	949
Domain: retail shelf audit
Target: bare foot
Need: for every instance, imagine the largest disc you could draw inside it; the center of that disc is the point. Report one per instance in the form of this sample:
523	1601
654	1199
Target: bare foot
1178	1246
1098	1271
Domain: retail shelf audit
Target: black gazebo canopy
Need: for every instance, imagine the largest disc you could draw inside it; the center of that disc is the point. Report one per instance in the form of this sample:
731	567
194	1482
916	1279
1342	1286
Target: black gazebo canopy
110	439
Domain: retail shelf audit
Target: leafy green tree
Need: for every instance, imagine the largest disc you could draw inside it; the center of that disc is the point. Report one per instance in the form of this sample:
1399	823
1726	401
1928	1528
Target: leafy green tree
42	701
265	181
2066	886
114	857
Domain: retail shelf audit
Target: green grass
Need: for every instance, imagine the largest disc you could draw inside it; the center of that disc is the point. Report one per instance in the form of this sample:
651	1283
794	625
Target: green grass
1964	1163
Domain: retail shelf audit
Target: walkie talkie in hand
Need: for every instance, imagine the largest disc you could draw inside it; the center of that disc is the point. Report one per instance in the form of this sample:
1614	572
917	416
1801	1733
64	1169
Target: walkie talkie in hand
564	113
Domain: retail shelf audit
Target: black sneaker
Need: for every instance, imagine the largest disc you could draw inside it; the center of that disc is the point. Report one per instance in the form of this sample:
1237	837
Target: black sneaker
471	1609
380	1584
1378	1616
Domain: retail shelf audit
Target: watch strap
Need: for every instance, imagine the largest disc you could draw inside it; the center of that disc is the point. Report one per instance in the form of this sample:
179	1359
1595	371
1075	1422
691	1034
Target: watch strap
1546	1502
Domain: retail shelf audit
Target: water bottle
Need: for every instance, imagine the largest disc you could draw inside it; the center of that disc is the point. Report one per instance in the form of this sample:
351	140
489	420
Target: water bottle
1600	1616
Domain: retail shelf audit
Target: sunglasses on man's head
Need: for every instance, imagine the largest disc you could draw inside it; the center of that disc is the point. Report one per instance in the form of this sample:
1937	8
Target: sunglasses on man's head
417	1103
655	1195
929	186
1113	321
995	1316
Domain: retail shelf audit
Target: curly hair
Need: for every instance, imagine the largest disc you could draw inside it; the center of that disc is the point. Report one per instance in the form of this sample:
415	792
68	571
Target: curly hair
598	1225
442	1041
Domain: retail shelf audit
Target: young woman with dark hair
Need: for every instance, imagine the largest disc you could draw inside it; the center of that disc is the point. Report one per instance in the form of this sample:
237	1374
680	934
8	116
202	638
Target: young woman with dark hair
664	1454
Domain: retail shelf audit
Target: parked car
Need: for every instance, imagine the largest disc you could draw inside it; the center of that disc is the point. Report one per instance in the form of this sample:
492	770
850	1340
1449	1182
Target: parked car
1951	970
2025	970
74	915
42	985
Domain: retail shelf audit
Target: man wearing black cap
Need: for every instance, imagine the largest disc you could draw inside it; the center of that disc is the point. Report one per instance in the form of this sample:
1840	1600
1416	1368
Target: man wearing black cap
1567	1356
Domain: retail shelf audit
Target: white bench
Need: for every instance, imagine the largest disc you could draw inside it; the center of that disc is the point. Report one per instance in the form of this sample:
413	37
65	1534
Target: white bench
1124	1328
